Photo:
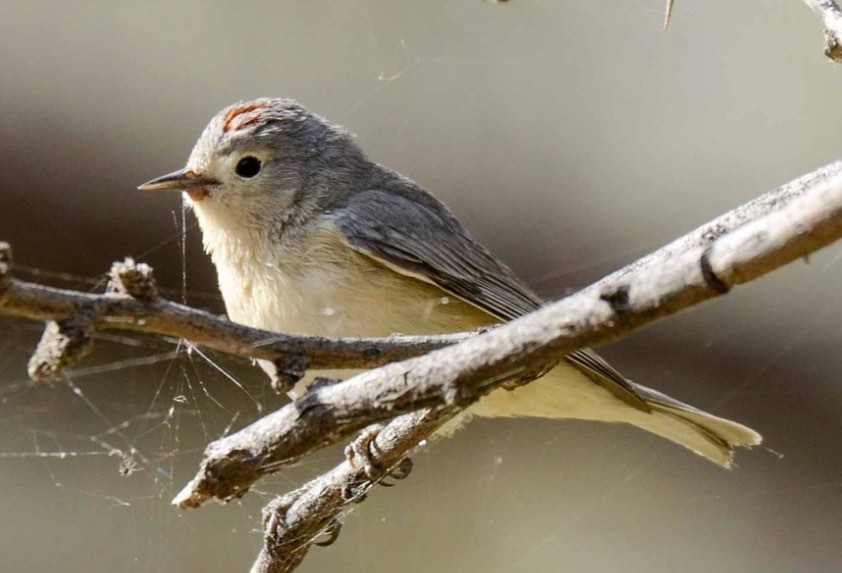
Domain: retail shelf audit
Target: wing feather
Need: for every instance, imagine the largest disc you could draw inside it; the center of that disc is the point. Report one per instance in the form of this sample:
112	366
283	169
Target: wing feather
405	231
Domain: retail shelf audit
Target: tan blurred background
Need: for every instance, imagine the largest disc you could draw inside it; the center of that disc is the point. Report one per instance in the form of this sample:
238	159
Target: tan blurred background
570	137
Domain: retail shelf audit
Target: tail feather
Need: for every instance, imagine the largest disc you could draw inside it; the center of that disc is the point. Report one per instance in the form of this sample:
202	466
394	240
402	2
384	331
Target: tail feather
710	436
567	393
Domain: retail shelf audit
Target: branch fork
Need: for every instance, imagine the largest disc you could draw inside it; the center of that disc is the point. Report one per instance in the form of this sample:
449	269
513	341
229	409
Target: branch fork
68	340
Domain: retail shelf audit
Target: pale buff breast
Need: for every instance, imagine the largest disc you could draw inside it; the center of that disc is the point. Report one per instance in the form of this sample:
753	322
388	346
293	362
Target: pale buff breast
329	289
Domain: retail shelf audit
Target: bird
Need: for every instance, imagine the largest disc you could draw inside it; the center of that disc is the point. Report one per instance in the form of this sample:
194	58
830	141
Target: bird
310	236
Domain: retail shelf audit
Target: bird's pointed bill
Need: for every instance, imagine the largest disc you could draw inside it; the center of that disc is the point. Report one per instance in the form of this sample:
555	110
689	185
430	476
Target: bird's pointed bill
195	185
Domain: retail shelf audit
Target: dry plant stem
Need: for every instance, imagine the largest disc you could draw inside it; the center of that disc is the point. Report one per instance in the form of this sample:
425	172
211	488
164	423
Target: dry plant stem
831	17
748	242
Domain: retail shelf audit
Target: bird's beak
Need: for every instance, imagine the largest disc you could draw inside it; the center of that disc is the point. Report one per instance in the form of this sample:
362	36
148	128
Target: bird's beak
186	180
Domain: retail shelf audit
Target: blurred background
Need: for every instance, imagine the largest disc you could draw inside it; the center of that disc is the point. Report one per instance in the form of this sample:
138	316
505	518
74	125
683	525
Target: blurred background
570	137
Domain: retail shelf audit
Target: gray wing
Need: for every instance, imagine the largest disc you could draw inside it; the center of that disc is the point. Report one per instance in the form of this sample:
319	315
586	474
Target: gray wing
408	235
404	230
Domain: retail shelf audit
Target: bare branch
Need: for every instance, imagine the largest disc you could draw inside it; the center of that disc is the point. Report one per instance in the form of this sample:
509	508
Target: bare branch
748	242
831	17
119	310
328	413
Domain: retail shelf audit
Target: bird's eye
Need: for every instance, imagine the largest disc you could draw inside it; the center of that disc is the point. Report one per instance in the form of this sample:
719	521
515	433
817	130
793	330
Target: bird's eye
248	167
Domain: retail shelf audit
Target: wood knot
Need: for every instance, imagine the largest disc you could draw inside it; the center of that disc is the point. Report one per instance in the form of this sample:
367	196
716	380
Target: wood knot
618	299
63	344
289	370
136	280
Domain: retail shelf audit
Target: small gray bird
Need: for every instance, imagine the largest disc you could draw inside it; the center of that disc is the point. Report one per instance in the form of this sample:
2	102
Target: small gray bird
309	236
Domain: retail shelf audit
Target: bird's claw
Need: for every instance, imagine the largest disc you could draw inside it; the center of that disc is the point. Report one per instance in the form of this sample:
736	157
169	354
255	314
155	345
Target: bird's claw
275	526
362	453
333	529
402	469
274	523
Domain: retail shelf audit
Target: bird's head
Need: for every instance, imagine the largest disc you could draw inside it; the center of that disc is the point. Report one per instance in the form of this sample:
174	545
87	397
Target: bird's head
264	158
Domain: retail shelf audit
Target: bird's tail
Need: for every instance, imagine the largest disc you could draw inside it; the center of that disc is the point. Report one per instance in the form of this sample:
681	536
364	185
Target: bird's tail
710	436
579	398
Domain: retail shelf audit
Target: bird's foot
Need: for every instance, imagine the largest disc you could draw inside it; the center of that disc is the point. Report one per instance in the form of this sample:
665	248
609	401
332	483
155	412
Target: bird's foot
362	453
275	526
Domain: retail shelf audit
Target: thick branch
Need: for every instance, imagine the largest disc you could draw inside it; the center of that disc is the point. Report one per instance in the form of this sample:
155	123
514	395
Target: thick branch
748	242
831	17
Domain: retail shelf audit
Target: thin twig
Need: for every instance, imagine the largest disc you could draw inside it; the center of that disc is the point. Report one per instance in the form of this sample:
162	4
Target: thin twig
122	312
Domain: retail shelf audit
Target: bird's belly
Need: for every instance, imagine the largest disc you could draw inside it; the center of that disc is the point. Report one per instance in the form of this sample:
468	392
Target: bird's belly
363	300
